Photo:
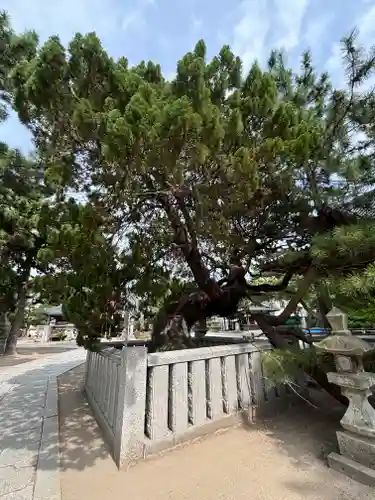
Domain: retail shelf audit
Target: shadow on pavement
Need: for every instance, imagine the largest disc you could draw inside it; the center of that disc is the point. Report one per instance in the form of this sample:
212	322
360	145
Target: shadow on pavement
81	442
303	430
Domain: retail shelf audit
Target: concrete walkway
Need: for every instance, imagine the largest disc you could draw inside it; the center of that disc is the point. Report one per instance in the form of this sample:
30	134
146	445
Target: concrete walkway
29	440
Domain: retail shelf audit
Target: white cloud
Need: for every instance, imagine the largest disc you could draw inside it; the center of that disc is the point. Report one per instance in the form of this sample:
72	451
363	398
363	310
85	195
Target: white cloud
250	33
264	25
49	17
366	24
290	14
135	17
197	23
316	30
108	18
334	65
196	29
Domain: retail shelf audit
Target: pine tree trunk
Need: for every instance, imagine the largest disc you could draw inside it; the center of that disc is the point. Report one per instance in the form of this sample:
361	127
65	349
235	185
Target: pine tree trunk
4	331
190	252
19	317
14	332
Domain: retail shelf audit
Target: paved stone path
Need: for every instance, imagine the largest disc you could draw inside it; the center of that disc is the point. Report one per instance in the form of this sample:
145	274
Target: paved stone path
29	439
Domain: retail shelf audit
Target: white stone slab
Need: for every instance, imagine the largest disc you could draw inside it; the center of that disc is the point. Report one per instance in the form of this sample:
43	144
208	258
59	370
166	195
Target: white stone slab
178	417
171	357
230	385
157	421
197	392
243	374
130	413
215	407
256	374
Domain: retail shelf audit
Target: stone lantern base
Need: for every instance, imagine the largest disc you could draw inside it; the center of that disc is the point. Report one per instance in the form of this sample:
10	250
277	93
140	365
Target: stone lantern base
357	439
356	458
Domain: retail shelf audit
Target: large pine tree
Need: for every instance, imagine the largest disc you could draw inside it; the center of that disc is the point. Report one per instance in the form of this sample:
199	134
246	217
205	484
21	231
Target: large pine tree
215	177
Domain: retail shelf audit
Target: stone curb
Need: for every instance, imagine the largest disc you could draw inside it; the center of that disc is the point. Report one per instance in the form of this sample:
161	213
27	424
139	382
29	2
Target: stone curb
47	479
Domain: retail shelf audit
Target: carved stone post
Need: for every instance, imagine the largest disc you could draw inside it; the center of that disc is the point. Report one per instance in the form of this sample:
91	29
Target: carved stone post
47	330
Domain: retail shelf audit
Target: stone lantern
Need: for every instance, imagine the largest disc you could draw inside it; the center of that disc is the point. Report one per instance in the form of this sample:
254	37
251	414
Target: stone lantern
357	440
338	321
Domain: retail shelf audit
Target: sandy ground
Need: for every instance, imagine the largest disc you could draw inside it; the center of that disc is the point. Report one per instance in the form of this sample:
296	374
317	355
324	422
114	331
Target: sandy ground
281	459
28	352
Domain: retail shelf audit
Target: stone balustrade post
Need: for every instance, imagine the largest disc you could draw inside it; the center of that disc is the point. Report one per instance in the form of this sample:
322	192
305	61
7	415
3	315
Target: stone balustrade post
130	420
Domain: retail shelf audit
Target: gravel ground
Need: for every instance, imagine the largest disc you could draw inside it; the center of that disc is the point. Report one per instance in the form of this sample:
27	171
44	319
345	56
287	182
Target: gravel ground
281	459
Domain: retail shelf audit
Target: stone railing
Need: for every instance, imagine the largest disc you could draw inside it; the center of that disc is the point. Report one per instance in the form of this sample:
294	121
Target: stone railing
102	383
146	403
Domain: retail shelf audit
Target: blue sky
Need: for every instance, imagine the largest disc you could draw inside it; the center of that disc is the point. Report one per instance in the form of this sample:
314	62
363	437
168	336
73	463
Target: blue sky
163	30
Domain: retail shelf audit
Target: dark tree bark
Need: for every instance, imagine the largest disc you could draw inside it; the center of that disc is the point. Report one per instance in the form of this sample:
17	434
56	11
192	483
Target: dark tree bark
18	320
196	307
4	330
185	239
222	298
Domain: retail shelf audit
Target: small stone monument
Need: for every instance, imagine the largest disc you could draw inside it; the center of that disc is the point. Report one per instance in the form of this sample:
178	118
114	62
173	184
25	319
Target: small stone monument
357	440
47	330
131	335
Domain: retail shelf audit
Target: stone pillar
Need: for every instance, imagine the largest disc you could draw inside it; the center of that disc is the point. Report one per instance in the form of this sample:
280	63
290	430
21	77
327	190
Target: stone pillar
357	439
125	330
46	333
142	322
131	330
303	314
130	418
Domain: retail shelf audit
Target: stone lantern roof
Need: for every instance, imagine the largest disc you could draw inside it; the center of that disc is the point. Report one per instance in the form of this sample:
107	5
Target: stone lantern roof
344	345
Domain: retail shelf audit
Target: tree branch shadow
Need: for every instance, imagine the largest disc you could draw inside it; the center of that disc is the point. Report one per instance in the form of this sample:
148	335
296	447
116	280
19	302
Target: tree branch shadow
302	431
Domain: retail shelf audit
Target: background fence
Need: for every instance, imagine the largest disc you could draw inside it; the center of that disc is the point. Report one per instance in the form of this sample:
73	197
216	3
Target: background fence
146	403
